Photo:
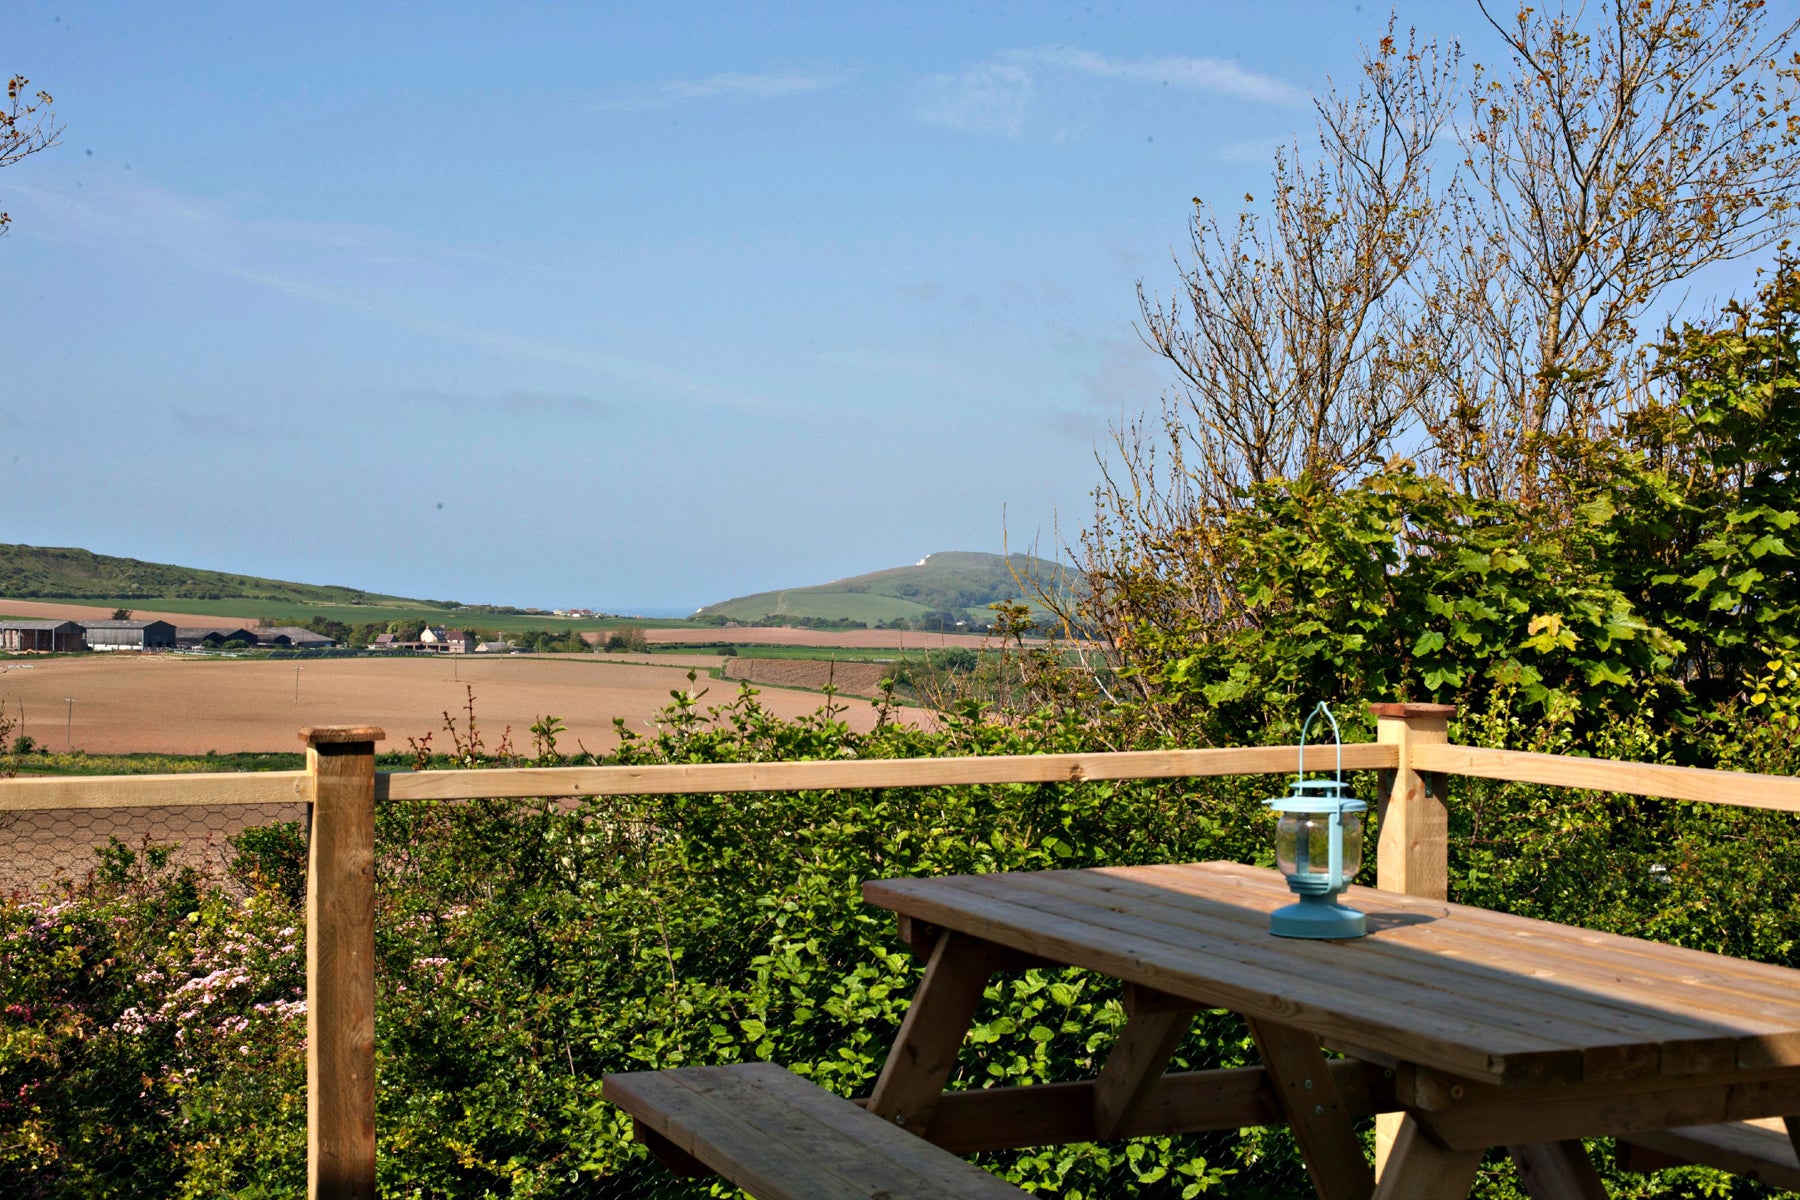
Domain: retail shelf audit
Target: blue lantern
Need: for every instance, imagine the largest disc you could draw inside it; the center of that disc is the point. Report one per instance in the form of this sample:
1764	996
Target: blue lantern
1318	846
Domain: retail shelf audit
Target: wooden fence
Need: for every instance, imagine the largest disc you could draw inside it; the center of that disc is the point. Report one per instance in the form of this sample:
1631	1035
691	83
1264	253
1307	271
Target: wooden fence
1411	751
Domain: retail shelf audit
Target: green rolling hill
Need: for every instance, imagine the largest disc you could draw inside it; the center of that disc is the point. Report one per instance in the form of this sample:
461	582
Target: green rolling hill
60	573
64	573
960	582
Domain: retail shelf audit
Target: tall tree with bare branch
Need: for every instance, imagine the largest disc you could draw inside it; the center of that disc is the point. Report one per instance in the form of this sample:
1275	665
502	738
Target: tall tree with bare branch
26	127
1452	276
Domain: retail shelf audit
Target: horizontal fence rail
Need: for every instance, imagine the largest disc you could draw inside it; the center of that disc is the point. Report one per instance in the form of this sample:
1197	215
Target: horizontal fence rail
681	778
155	791
1741	789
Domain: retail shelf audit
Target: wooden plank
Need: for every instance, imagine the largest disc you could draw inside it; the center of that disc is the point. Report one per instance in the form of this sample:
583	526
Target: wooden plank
924	1053
1758	1149
1707	1015
1557	1171
781	1138
340	964
706	1132
1616	1038
154	791
887	1159
1217	973
1153	1028
966	1122
1420	1168
681	778
1479	1116
1309	1100
1741	789
740	1144
1716	1011
1301	969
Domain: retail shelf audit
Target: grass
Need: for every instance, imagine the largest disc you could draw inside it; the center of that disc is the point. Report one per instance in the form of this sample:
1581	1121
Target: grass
79	763
83	764
827	605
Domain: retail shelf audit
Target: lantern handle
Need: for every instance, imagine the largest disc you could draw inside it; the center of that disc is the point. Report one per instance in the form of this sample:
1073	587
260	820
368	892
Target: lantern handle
1336	735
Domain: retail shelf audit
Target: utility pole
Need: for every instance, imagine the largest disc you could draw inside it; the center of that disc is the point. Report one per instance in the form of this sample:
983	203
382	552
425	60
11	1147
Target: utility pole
69	725
296	683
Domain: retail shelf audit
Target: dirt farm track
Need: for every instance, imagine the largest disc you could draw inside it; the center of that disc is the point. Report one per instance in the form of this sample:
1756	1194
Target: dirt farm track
176	704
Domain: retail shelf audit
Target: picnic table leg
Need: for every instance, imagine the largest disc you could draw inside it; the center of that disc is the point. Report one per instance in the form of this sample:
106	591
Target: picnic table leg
1419	1168
1315	1111
924	1054
1155	1024
1557	1171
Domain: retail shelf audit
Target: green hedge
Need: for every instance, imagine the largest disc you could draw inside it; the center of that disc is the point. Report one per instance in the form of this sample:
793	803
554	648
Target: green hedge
151	1042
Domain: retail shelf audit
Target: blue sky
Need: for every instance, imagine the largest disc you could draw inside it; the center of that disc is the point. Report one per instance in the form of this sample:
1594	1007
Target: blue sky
634	307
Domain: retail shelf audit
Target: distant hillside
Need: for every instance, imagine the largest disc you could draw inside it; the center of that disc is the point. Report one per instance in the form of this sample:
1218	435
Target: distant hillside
964	583
60	572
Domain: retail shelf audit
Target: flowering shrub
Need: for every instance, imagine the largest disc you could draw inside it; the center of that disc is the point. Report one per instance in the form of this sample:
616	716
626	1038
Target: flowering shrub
152	1041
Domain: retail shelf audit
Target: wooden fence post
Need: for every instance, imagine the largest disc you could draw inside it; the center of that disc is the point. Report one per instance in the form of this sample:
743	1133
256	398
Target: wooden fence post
340	963
1412	855
1413	852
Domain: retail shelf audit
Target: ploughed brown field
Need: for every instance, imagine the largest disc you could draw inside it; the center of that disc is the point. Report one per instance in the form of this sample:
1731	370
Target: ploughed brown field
178	704
877	639
849	678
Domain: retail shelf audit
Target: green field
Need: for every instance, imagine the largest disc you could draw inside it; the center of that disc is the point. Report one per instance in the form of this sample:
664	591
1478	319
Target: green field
962	583
817	602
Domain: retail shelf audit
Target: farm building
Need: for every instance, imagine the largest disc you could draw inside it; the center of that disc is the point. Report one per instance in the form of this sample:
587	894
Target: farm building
295	637
41	635
129	635
211	637
448	641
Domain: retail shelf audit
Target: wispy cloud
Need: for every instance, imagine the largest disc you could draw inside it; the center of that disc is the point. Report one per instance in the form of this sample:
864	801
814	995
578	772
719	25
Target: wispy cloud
220	426
516	403
1253	151
988	97
728	85
369	273
993	96
1213	76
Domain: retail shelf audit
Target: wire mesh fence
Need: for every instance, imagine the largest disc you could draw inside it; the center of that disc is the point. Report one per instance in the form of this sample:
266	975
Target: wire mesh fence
152	978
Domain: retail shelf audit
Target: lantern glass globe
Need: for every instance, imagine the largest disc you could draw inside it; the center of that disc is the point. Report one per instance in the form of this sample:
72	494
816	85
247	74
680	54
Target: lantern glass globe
1303	844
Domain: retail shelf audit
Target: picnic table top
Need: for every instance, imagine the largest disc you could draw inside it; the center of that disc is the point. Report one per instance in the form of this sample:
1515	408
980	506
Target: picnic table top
1486	996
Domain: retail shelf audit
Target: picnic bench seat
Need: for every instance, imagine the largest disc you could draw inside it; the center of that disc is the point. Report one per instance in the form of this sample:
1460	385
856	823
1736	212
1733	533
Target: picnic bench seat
781	1137
1759	1150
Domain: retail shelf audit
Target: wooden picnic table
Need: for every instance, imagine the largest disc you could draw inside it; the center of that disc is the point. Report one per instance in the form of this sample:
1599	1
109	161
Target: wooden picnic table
1481	1028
